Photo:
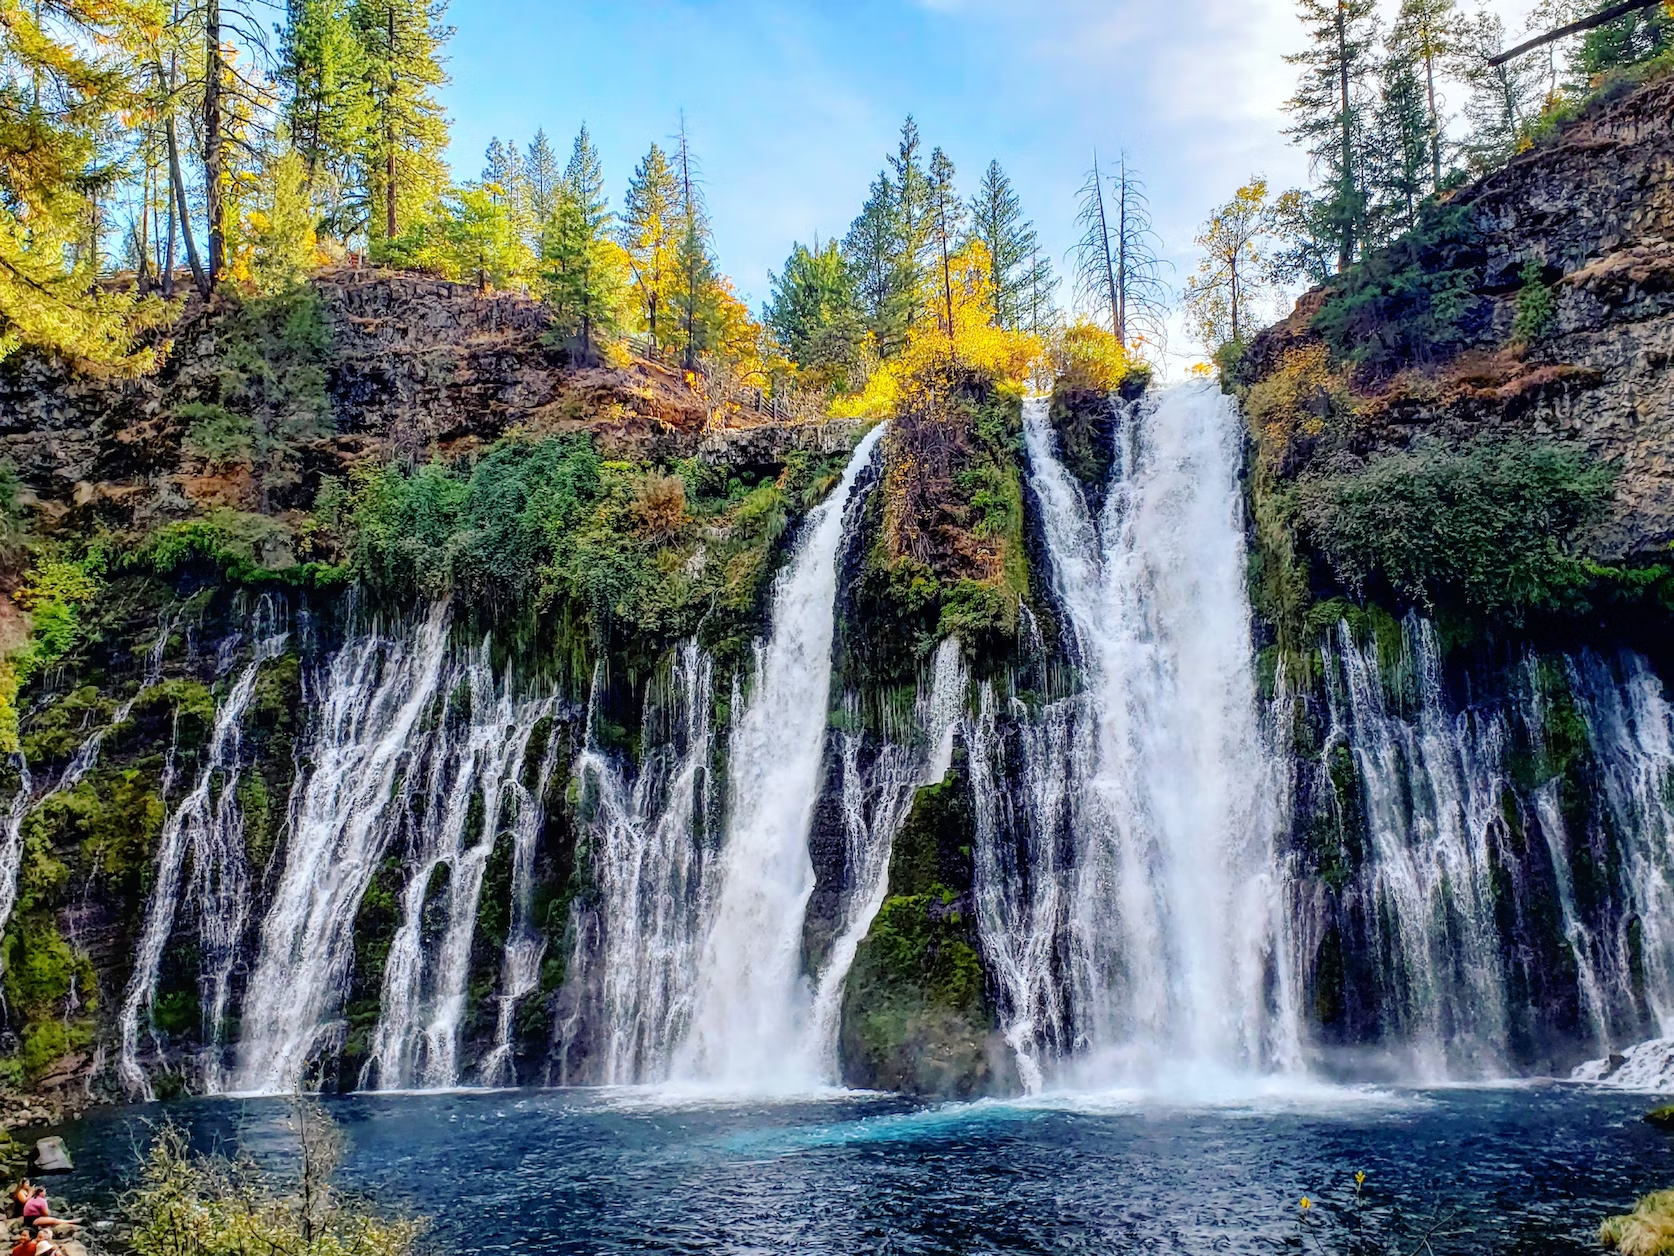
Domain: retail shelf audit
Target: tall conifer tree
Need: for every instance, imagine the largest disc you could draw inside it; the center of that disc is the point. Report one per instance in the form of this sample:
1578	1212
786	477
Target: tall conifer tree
1330	108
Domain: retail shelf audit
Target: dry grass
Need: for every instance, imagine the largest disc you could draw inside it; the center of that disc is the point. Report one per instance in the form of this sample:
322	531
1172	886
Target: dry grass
1646	1231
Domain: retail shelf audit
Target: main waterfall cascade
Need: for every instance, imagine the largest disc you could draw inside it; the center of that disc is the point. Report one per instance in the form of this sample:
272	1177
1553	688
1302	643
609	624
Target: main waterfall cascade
1146	928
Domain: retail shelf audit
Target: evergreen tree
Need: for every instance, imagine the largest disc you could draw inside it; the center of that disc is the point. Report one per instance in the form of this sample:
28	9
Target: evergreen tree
1503	97
869	250
650	232
945	214
580	283
910	206
326	107
695	266
1427	37
401	157
1630	40
504	177
1399	159
542	180
997	220
1330	108
1038	303
814	316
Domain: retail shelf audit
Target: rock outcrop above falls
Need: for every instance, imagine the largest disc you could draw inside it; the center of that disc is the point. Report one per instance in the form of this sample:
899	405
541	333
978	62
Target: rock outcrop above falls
403	366
1594	207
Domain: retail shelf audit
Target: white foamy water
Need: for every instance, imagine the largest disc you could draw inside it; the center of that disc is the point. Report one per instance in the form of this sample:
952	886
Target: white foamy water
753	1003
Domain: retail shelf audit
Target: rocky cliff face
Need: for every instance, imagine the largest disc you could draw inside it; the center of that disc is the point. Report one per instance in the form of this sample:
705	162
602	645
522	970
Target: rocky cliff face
399	365
1594	207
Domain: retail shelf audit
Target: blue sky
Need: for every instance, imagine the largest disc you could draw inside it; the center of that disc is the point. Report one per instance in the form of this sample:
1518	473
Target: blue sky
792	106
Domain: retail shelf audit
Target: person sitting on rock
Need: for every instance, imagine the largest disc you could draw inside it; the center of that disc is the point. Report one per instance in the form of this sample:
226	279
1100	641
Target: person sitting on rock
36	1210
20	1196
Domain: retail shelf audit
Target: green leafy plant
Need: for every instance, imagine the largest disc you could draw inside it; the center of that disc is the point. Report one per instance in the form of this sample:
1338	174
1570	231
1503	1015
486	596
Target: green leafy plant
1487	527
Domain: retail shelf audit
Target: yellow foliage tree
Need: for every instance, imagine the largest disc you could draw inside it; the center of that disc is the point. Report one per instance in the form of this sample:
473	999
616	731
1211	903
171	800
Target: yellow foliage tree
973	347
64	80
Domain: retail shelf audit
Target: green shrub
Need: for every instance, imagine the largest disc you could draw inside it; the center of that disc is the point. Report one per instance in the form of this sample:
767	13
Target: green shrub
1486	527
1411	302
1537	308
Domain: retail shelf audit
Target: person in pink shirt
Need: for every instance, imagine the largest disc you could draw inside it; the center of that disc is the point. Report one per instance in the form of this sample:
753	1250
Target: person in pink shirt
35	1209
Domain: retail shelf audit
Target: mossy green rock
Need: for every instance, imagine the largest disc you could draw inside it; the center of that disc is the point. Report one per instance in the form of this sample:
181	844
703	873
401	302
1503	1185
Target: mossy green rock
1663	1117
916	1016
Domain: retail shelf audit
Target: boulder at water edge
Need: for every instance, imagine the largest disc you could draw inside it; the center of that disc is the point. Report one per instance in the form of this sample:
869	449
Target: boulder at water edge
51	1156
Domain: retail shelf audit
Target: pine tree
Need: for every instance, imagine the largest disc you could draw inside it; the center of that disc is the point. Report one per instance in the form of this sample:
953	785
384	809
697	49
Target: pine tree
401	158
326	107
814	316
945	213
869	250
997	220
1038	304
650	233
1399	159
1330	107
542	179
695	266
580	283
1503	97
1426	37
909	203
503	175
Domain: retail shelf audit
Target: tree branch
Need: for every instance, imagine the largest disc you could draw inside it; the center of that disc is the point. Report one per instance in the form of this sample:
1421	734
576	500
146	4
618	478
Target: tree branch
1574	28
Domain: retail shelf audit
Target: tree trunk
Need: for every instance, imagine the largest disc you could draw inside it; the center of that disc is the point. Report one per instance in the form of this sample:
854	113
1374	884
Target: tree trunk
1345	247
179	202
1435	119
1234	285
1104	244
1122	257
390	223
213	209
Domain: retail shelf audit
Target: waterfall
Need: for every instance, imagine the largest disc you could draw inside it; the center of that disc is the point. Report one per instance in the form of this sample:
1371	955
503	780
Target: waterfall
1432	790
520	965
869	834
649	863
1630	730
1175	930
472	760
81	763
1595	1006
1019	881
752	1003
209	826
345	810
